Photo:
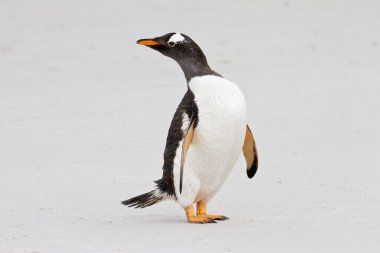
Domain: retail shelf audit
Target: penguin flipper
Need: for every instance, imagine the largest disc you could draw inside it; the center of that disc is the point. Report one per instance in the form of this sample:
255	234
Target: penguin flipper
250	153
185	147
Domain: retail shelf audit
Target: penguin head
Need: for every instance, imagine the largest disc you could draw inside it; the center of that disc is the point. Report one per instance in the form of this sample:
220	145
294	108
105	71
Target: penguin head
177	46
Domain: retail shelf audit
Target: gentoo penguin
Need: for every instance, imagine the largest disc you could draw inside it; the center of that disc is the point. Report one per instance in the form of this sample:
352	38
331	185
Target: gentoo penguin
208	131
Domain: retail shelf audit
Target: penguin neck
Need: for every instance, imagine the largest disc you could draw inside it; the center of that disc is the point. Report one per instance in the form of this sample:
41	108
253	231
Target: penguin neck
193	67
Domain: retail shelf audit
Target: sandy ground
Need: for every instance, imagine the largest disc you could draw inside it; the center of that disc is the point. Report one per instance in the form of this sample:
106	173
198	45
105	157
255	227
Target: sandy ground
84	113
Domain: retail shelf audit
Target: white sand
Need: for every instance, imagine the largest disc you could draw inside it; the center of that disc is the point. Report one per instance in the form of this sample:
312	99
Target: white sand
84	114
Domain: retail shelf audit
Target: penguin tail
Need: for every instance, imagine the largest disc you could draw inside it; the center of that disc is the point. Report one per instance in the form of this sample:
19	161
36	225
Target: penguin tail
146	199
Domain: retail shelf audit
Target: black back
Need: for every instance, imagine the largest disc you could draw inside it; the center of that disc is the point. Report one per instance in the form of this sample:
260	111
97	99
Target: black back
175	136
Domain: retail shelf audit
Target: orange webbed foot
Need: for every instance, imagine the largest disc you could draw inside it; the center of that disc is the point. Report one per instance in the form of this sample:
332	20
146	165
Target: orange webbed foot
202	217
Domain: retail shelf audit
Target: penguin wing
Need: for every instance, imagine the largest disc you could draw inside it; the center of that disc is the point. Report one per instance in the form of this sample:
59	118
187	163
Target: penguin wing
186	113
185	147
250	153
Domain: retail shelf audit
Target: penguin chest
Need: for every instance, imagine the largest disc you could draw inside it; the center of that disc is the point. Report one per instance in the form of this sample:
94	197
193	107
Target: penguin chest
219	136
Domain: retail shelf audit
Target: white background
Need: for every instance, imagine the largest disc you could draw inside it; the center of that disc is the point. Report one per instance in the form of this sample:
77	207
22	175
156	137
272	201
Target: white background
84	114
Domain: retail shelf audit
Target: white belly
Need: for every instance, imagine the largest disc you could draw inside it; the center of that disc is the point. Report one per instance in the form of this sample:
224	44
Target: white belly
217	140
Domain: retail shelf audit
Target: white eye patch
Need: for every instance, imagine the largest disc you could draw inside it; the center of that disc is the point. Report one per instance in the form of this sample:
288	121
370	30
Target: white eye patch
175	38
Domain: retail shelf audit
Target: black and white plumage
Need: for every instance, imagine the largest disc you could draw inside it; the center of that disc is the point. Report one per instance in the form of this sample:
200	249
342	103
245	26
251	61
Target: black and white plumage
206	136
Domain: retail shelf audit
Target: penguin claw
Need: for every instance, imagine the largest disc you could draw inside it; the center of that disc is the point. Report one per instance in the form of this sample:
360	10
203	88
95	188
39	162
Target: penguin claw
218	217
222	218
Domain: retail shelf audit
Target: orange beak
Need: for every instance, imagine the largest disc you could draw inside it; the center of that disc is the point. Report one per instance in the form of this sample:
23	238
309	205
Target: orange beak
148	42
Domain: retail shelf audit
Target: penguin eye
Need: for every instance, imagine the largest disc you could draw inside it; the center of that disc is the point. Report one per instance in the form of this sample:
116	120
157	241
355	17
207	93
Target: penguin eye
171	44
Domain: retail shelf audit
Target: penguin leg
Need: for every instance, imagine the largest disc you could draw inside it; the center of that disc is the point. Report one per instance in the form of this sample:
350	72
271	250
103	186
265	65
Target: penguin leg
201	212
192	218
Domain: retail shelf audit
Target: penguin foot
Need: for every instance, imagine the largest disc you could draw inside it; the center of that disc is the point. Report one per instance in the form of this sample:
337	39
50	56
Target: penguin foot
202	217
201	210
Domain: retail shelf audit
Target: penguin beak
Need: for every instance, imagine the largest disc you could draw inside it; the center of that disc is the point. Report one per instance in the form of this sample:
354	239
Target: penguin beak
148	42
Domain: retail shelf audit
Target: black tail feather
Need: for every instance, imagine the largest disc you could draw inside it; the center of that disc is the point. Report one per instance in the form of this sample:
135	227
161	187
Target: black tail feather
143	200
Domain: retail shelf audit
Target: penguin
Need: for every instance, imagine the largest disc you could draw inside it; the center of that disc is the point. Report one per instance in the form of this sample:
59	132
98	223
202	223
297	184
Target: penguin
207	134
